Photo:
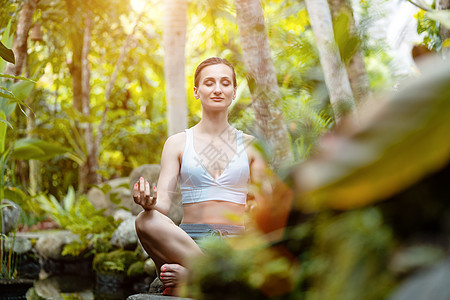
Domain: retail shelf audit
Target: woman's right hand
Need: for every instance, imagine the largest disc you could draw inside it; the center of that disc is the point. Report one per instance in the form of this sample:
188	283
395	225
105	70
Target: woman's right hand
141	194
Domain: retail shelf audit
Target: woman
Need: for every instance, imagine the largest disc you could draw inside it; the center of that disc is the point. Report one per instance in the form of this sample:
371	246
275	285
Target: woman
214	167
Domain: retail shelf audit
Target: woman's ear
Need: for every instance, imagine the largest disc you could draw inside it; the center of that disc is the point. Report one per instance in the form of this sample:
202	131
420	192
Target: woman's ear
195	93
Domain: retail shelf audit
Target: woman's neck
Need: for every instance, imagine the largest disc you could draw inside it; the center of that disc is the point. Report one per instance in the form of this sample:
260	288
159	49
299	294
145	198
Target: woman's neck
213	124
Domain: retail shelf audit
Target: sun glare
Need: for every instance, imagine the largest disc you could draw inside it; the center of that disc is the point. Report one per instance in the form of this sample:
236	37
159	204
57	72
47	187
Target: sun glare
138	5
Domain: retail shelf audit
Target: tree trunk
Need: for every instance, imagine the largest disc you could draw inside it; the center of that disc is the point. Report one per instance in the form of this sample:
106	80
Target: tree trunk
445	32
20	44
35	166
356	69
76	36
336	79
262	80
88	171
174	41
20	49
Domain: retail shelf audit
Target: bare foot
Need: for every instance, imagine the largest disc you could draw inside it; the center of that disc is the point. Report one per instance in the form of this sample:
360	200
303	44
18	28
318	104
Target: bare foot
172	274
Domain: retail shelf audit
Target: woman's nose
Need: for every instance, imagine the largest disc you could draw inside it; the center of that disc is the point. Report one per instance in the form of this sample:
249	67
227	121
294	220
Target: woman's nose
217	90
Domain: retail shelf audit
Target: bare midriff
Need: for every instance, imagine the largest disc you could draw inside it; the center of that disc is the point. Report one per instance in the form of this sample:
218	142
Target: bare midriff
214	212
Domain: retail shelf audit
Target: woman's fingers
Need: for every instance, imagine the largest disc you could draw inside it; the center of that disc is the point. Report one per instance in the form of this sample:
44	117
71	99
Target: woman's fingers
147	190
142	188
136	192
154	192
141	193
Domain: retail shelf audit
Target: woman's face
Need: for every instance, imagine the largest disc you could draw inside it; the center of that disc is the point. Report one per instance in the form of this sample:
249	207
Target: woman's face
215	88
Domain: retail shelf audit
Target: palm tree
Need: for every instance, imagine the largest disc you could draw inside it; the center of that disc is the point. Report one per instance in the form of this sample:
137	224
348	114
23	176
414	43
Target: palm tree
336	79
356	69
174	41
262	80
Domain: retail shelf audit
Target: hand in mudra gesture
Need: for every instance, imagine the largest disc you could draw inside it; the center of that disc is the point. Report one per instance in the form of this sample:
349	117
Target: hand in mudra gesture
141	194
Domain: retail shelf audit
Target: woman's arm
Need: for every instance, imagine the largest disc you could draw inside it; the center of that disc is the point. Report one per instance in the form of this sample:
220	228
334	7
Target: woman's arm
167	182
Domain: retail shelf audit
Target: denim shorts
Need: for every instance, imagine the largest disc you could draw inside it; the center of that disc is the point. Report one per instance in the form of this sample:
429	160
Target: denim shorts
200	231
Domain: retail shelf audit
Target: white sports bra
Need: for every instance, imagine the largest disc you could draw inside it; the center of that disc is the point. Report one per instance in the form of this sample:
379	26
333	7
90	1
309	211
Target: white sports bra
197	185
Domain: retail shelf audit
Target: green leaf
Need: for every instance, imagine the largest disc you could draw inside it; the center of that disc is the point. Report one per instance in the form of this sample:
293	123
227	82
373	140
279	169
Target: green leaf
7	94
2	132
5	122
15	93
69	199
22	90
30	148
7	41
14	194
16	77
7	54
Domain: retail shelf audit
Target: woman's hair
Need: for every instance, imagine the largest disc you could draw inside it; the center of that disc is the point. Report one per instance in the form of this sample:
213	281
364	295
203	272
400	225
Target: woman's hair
212	61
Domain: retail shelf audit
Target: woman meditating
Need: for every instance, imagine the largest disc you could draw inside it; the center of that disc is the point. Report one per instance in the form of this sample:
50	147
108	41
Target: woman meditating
214	168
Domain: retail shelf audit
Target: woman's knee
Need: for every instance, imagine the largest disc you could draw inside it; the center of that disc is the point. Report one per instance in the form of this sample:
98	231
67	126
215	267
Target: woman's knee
148	224
143	221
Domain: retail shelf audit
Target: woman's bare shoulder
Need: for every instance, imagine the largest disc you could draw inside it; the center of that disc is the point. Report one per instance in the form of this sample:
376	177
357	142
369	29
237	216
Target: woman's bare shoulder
248	139
176	142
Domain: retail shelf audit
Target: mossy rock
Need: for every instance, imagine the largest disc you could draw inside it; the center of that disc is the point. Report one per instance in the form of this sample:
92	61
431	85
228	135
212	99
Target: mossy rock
136	270
117	261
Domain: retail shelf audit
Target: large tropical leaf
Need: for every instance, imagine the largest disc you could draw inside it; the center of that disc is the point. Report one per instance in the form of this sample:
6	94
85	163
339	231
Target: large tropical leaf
31	148
404	140
7	54
6	41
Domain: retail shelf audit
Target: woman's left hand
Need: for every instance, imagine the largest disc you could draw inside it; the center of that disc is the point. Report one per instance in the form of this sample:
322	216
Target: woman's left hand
141	194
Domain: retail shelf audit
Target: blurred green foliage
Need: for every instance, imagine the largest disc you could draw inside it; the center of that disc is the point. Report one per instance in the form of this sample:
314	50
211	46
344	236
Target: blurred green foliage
371	209
77	214
430	30
114	262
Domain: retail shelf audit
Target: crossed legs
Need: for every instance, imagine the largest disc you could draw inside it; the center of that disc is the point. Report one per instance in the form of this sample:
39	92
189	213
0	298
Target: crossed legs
167	244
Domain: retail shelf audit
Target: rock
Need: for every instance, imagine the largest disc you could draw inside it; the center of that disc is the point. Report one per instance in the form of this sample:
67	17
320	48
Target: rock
47	289
116	193
142	253
10	216
156	287
151	173
125	235
149	267
430	283
21	245
51	246
122	215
